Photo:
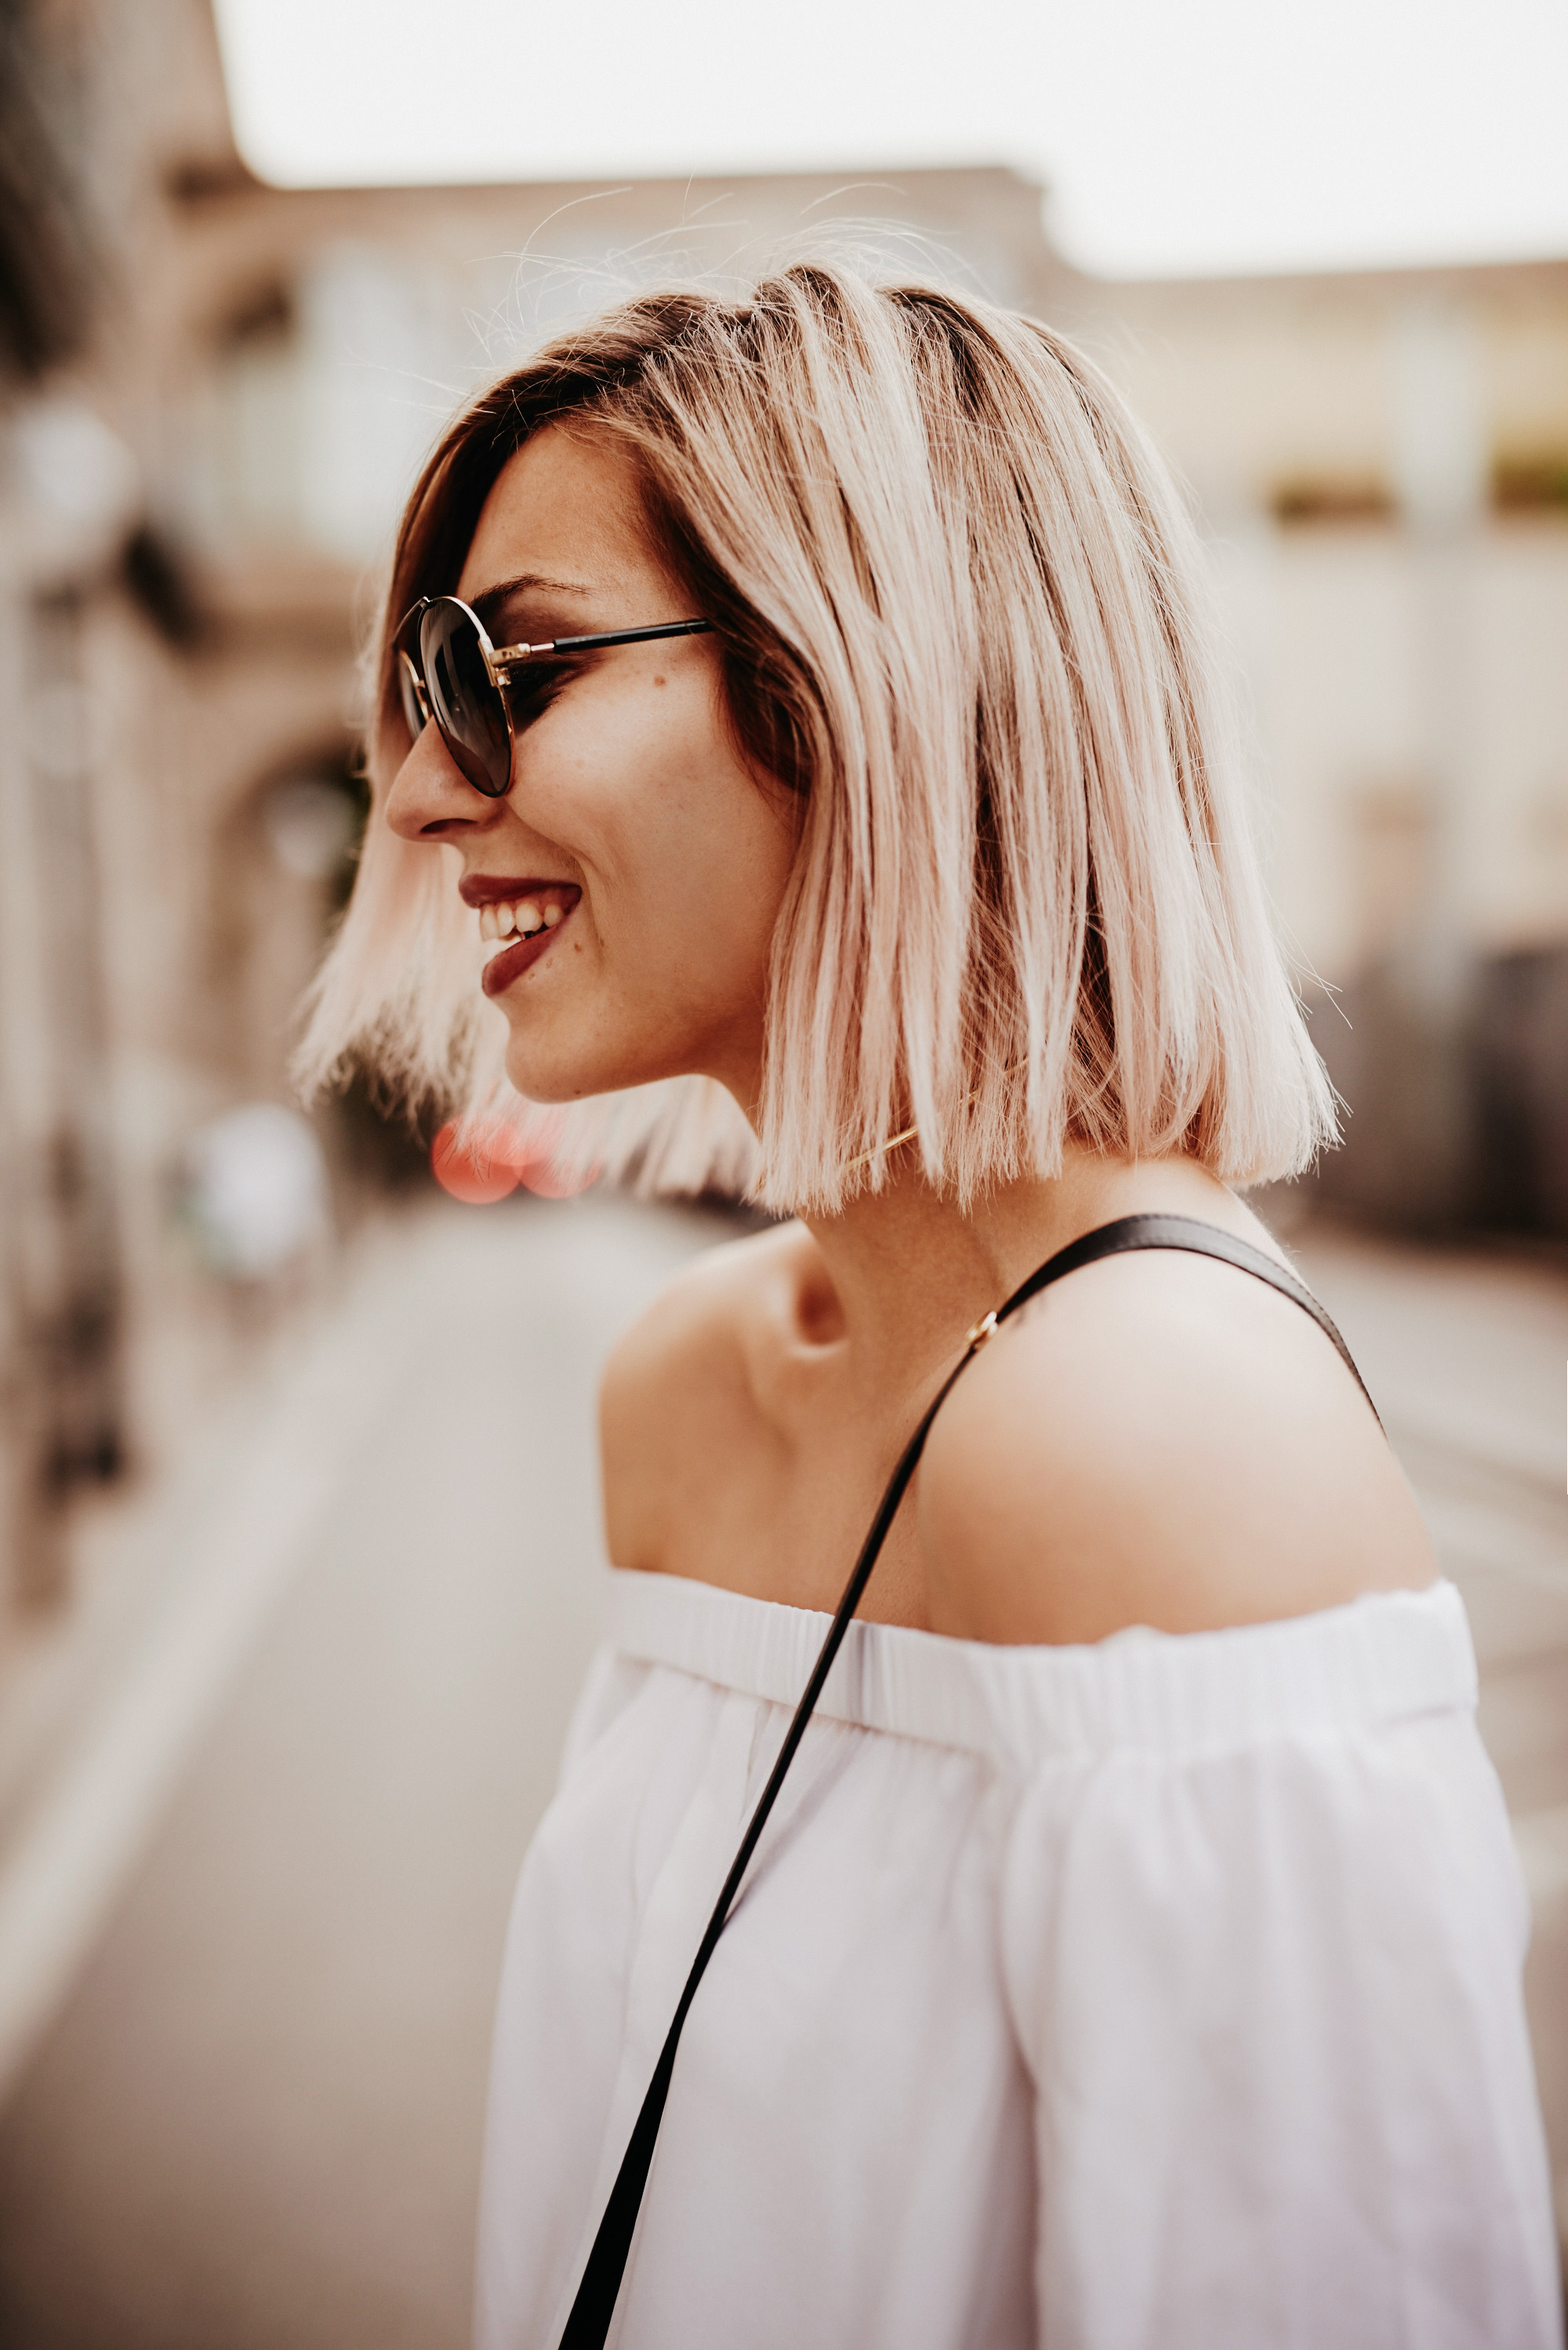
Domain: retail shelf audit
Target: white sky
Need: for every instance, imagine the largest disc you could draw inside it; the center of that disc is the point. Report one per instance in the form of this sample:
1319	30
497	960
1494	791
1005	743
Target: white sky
1179	137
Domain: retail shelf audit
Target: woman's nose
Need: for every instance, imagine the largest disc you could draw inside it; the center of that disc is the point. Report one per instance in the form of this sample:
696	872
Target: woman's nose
430	799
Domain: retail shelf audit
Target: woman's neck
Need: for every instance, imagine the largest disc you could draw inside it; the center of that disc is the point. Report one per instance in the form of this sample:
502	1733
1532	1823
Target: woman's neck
907	1274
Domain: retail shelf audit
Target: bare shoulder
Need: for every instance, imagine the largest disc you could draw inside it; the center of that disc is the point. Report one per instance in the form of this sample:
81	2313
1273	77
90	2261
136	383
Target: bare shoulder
1158	1440
687	1384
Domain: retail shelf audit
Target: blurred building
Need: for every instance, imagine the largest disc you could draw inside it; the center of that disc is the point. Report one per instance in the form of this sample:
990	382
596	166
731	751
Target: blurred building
217	393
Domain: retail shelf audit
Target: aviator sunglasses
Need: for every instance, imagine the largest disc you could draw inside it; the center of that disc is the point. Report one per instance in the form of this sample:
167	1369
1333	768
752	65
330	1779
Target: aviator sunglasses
448	670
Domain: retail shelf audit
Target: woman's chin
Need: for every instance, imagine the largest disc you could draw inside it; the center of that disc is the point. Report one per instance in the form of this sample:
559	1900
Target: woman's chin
546	1062
560	1078
543	1085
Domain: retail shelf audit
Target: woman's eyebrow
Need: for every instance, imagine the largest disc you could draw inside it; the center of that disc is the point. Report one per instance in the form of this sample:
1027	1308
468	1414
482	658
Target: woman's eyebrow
492	602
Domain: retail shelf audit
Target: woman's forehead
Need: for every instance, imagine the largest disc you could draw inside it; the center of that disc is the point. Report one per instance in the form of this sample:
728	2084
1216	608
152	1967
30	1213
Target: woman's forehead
562	511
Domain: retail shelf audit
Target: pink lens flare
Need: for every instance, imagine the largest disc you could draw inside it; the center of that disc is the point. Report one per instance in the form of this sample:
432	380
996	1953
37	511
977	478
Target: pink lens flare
479	1166
476	1176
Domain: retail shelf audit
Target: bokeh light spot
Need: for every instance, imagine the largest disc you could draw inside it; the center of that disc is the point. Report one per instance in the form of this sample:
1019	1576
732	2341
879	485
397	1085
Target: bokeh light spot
481	1168
475	1174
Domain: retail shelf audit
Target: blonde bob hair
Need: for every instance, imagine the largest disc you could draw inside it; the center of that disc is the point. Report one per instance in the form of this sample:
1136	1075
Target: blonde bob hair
961	613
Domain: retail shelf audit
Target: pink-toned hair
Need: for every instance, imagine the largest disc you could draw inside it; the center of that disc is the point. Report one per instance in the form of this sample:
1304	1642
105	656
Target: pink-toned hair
962	612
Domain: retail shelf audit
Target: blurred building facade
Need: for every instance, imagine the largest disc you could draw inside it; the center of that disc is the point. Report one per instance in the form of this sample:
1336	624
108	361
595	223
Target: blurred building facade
217	393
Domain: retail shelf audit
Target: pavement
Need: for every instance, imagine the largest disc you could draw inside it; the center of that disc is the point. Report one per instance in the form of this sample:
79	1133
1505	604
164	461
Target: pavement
247	2042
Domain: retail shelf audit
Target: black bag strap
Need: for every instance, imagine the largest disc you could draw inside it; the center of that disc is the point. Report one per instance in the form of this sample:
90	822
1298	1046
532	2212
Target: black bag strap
588	2323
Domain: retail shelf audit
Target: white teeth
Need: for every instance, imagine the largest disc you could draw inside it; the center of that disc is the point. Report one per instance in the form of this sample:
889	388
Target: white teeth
525	917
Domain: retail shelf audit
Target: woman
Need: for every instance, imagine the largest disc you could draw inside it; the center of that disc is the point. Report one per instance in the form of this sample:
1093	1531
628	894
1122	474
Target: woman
1133	1955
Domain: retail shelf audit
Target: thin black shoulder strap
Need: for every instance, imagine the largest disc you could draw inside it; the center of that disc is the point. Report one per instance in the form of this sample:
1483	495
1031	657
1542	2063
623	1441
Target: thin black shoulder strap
588	2322
1202	1240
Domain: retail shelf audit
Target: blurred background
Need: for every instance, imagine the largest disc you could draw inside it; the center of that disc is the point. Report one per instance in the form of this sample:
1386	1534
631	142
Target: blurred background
296	1483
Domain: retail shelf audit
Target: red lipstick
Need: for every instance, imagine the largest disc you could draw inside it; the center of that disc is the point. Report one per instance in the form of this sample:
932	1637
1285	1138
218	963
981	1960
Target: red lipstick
523	901
520	956
501	890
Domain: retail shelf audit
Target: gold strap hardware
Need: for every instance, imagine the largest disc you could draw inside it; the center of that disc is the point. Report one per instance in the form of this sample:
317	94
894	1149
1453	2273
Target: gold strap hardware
984	1329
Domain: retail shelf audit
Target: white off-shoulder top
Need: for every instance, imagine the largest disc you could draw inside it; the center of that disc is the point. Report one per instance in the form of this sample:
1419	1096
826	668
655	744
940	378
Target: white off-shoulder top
1159	1995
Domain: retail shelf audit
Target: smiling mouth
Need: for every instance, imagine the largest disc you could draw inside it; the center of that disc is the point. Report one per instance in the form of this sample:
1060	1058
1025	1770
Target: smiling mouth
521	925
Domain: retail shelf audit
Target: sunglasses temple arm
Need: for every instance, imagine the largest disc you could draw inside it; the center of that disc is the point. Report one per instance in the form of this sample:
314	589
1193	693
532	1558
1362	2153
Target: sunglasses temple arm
509	654
632	636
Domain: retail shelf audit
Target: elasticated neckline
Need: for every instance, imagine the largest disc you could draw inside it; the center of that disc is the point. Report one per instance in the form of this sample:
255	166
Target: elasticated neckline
1382	1657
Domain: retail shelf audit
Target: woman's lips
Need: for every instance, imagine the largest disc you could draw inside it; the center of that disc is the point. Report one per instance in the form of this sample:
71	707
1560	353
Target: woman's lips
513	961
537	918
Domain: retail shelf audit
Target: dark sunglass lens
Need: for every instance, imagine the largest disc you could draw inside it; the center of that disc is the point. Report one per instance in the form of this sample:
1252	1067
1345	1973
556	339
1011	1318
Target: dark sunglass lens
414	708
466	707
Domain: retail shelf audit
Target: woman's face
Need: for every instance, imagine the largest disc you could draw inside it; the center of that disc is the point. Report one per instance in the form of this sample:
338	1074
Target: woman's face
631	809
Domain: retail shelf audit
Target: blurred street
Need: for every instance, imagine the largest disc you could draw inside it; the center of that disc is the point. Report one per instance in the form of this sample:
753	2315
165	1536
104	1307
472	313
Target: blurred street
257	2124
254	2123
